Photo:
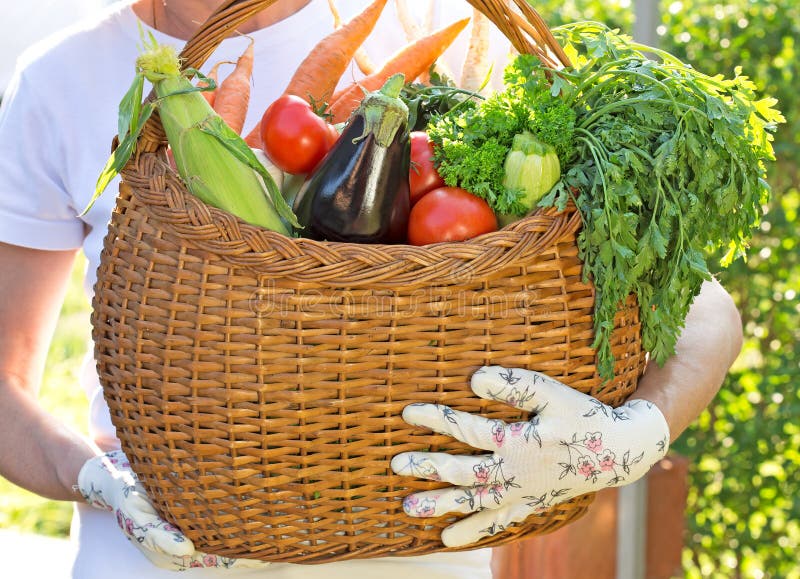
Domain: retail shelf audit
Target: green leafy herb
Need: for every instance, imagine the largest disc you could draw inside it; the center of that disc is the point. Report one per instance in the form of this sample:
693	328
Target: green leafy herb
668	164
472	141
439	96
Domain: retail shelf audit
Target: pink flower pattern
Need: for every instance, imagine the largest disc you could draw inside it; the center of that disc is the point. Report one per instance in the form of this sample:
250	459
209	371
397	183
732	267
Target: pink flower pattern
517	428
110	479
599	460
481	473
593	441
586	467
498	433
427	508
607	460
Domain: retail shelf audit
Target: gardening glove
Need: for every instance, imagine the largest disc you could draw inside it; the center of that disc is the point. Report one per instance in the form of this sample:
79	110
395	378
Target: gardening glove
107	482
572	445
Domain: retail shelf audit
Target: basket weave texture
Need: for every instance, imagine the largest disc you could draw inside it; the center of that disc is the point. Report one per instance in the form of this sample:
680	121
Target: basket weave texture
256	381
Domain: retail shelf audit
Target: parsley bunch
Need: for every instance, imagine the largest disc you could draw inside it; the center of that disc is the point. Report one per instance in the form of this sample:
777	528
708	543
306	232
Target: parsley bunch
669	164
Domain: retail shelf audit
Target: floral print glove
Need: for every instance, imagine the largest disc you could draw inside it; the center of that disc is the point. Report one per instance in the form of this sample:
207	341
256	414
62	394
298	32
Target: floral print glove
572	445
107	482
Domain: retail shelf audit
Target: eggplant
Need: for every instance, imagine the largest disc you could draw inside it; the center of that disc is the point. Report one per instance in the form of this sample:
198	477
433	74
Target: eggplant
359	192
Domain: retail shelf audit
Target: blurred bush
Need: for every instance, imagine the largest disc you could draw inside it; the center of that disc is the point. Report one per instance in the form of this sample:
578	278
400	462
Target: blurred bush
744	514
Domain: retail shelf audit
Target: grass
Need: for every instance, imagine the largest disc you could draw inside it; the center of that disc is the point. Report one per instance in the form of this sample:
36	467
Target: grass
63	397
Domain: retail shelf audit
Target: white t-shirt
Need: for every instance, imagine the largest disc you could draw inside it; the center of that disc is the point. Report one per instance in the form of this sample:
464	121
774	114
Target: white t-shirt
57	122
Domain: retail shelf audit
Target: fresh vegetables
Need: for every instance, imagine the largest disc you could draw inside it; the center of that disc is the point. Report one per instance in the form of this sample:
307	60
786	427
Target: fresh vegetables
233	94
294	137
477	62
214	162
213	76
422	175
474	139
359	192
316	77
426	101
531	167
663	163
668	163
414	31
449	214
642	148
411	61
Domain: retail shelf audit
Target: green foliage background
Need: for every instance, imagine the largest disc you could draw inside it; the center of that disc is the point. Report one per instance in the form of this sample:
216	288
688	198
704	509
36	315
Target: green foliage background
743	513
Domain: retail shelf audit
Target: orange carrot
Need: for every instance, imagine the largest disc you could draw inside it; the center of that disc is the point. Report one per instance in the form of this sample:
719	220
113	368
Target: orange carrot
412	61
233	93
364	62
253	138
213	74
317	76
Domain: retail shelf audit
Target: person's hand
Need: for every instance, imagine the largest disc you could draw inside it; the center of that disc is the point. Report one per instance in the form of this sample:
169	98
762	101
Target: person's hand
107	482
572	445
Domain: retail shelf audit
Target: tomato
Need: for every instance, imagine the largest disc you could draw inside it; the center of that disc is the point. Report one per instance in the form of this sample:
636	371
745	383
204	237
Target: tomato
422	174
295	138
333	136
449	214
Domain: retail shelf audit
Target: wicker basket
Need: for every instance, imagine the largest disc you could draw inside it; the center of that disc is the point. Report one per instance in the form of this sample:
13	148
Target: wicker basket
256	381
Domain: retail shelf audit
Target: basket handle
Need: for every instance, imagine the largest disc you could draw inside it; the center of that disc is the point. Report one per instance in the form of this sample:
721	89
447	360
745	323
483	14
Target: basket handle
225	19
526	30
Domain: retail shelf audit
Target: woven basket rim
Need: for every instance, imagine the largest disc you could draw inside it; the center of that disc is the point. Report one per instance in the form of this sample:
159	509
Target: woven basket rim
268	252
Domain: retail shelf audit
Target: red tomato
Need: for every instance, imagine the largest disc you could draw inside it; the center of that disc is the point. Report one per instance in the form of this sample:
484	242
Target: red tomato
333	136
422	174
295	138
449	214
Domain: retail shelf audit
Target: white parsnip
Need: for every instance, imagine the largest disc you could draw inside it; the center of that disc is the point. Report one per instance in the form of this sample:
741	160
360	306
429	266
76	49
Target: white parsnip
477	63
414	31
411	27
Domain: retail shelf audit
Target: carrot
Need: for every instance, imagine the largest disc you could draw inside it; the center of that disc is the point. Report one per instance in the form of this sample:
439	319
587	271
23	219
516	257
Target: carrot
213	74
412	61
233	93
364	62
253	138
476	64
317	76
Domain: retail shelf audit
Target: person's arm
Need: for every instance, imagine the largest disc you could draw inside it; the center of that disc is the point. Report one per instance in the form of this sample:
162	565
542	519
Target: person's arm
43	455
706	349
37	452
